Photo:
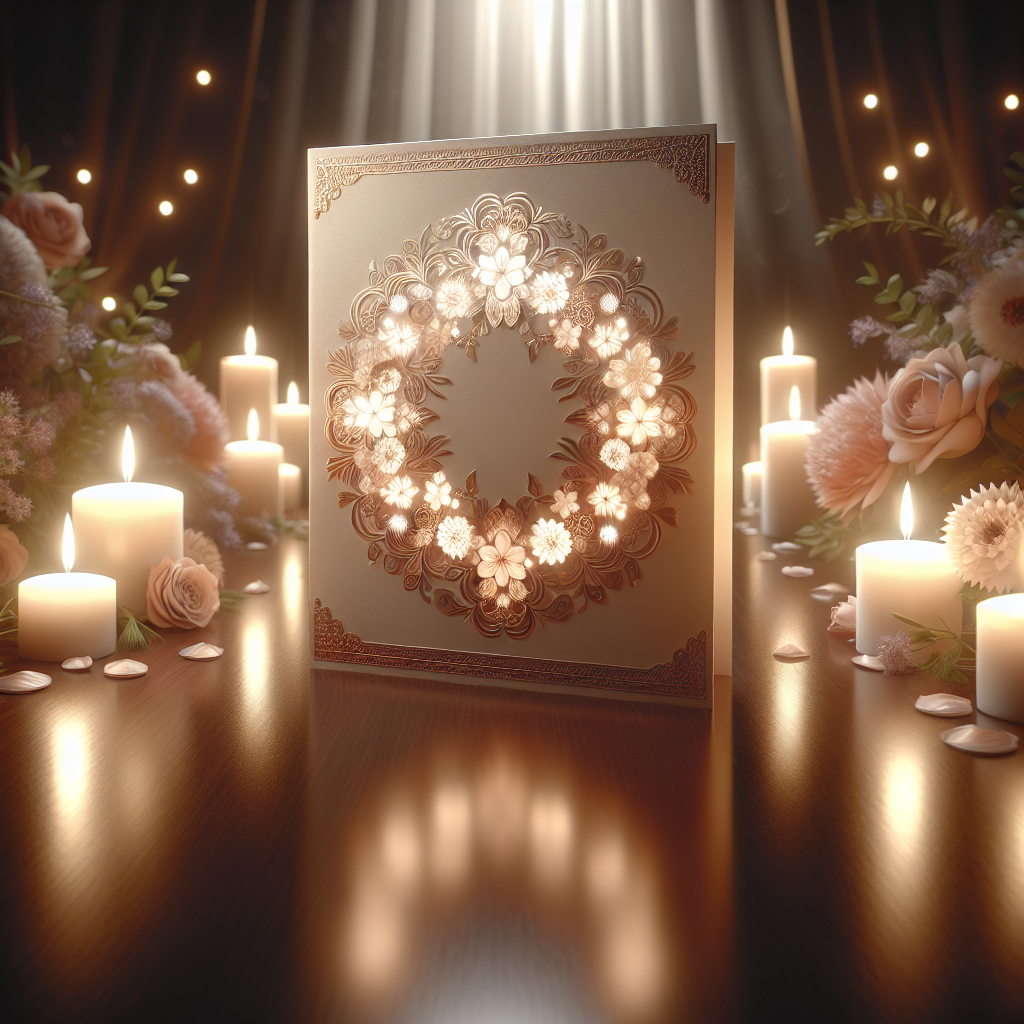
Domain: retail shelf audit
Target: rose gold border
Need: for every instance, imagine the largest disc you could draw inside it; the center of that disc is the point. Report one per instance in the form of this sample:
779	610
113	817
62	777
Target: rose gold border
684	676
687	156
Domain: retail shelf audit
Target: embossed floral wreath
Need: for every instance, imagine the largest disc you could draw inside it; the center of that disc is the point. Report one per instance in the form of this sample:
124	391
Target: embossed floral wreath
507	567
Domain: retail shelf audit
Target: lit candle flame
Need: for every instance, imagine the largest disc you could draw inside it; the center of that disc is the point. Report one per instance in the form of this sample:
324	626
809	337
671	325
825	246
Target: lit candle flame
794	403
128	456
293	393
67	547
250	341
254	425
907	513
787	341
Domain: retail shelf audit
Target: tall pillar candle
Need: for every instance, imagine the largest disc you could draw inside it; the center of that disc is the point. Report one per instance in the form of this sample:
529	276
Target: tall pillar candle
67	614
248	382
780	374
292	495
913	578
123	529
787	502
292	421
254	471
1000	657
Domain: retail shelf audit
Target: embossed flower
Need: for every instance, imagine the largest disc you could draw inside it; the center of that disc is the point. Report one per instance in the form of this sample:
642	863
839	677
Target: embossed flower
549	293
566	335
607	500
639	422
550	541
388	455
388	381
400	337
407	416
437	492
453	299
564	503
502	273
374	412
615	453
608	337
454	536
502	561
636	373
399	491
597	417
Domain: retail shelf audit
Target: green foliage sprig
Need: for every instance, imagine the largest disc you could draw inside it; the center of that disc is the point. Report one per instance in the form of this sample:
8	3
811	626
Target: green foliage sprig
949	666
19	175
827	537
134	635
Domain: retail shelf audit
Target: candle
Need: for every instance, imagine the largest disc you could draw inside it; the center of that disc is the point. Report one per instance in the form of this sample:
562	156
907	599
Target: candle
248	382
67	614
123	529
291	486
253	470
787	502
292	420
780	374
912	577
1000	657
751	484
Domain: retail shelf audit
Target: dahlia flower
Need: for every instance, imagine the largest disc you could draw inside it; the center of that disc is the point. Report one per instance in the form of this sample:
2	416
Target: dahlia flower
983	537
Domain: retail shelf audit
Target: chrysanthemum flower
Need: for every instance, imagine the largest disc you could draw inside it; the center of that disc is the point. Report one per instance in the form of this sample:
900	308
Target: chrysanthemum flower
983	537
997	312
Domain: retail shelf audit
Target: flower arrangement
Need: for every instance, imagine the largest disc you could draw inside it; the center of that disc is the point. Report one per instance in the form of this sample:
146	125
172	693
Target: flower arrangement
953	411
71	375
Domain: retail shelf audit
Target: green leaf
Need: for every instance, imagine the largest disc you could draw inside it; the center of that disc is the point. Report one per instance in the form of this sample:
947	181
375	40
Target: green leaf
11	339
153	304
892	290
88	275
156	278
929	204
166	290
178	278
36	172
140	295
908	300
171	266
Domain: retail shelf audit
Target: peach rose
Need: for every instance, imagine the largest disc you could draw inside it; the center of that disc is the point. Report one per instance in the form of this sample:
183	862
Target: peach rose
13	557
181	594
938	405
53	225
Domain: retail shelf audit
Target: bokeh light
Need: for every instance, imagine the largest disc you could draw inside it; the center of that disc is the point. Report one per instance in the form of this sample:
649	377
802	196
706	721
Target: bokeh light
109	303
84	176
203	77
1012	102
871	101
889	173
921	149
191	177
166	208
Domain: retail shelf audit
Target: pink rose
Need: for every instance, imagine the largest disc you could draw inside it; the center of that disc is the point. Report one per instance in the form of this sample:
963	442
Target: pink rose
53	225
13	557
938	406
181	594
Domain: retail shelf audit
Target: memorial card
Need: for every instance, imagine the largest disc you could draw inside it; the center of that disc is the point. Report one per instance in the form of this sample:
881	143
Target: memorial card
520	380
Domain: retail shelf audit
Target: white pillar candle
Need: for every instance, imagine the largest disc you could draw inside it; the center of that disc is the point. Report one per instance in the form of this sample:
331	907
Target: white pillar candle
914	578
125	528
67	614
752	484
254	471
1000	657
292	422
291	486
780	374
248	382
787	502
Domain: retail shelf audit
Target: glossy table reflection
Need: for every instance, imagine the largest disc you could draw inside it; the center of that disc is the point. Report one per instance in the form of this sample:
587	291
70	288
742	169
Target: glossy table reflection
245	840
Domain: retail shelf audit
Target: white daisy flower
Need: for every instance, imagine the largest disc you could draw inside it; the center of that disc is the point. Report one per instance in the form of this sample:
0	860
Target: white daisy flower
374	412
550	541
607	501
564	503
997	312
438	492
454	536
636	373
399	491
615	453
549	293
639	422
566	334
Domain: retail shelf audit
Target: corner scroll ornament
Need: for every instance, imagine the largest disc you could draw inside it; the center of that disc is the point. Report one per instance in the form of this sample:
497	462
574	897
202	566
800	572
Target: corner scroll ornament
684	676
687	156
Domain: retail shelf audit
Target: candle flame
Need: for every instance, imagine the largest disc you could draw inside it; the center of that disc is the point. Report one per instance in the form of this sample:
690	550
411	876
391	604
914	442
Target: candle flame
128	456
787	341
293	393
254	425
67	547
250	341
907	513
794	403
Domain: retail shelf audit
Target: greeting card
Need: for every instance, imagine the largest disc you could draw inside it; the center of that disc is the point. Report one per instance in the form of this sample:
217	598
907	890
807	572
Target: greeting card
520	360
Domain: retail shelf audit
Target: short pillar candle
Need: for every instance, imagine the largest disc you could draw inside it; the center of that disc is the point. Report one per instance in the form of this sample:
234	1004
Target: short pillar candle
1000	657
248	382
67	614
752	484
254	471
787	502
291	486
780	374
292	424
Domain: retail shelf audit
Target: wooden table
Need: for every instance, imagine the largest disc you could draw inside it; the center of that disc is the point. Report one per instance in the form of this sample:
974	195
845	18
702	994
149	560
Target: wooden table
246	840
